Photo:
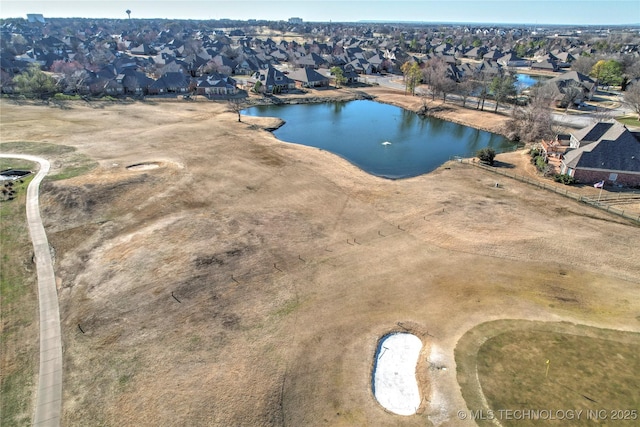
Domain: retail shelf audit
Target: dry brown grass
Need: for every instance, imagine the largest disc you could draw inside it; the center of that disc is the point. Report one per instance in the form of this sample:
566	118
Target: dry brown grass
279	316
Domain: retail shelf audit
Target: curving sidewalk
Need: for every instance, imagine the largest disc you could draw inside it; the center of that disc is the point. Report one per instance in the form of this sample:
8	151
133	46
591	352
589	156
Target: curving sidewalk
49	395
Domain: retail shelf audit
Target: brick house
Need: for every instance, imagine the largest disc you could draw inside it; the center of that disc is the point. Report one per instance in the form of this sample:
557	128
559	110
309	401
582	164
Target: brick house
604	151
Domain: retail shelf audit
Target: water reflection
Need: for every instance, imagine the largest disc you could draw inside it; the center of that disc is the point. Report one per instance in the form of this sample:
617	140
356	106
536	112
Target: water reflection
459	132
338	107
356	131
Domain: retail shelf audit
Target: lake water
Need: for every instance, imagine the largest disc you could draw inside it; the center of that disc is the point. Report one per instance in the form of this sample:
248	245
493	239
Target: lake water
380	139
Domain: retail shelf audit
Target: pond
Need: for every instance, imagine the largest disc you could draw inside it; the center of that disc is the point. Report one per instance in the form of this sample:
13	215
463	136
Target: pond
381	139
525	81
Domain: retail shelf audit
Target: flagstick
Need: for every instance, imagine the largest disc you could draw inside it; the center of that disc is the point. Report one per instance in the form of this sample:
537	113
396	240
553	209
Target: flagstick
547	372
600	194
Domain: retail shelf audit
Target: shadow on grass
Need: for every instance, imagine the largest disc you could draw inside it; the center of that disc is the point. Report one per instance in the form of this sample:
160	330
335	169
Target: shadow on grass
503	165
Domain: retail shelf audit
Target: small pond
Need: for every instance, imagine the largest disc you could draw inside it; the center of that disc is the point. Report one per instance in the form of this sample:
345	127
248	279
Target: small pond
525	81
381	139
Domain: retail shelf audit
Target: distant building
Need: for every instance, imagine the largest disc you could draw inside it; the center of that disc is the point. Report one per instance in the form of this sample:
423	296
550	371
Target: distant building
295	20
35	17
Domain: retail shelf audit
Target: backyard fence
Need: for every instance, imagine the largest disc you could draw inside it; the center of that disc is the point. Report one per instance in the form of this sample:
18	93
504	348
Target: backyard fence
602	204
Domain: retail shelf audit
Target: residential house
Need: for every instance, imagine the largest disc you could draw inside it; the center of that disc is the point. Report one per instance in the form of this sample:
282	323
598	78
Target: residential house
225	63
175	82
216	84
561	83
134	82
275	81
493	55
545	65
564	59
143	49
512	60
308	77
361	66
489	69
476	53
603	151
351	77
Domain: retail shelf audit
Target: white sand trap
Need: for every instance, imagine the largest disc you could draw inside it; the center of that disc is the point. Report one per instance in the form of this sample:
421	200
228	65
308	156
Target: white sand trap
394	374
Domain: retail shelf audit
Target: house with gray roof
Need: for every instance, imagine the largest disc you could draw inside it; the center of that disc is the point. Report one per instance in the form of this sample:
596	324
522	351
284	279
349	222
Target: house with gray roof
493	55
172	82
605	151
512	60
274	80
308	77
545	65
216	84
476	52
563	82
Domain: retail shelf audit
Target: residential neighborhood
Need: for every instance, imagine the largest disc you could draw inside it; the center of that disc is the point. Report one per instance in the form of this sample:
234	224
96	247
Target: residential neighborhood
154	57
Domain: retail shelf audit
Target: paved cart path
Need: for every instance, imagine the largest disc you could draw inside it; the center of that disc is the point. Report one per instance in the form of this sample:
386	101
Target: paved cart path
49	393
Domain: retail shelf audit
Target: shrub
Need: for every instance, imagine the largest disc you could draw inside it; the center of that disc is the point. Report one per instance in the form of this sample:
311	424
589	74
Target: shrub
534	152
486	155
565	179
541	163
64	97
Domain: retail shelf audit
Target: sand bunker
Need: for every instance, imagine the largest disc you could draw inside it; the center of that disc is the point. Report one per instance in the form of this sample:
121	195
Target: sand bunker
394	374
143	166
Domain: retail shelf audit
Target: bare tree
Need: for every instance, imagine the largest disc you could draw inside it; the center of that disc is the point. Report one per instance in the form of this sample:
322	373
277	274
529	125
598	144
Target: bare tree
236	105
534	121
601	115
573	93
442	80
583	64
431	73
76	81
632	98
465	88
483	81
502	88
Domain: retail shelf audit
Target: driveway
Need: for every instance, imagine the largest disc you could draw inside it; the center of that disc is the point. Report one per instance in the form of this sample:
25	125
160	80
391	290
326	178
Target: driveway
49	393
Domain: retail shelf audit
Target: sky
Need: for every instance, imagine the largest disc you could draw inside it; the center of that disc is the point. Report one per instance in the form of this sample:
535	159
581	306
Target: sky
569	12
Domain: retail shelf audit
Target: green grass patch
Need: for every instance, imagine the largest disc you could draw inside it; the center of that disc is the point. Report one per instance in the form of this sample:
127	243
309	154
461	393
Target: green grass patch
16	164
14	244
65	97
289	307
19	307
629	121
74	163
591	370
43	149
73	171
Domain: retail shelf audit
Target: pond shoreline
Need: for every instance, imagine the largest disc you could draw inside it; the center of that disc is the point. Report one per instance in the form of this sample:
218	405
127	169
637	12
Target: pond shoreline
384	139
482	120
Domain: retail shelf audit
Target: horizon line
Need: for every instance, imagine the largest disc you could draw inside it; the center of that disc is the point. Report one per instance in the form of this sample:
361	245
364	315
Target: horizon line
366	21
